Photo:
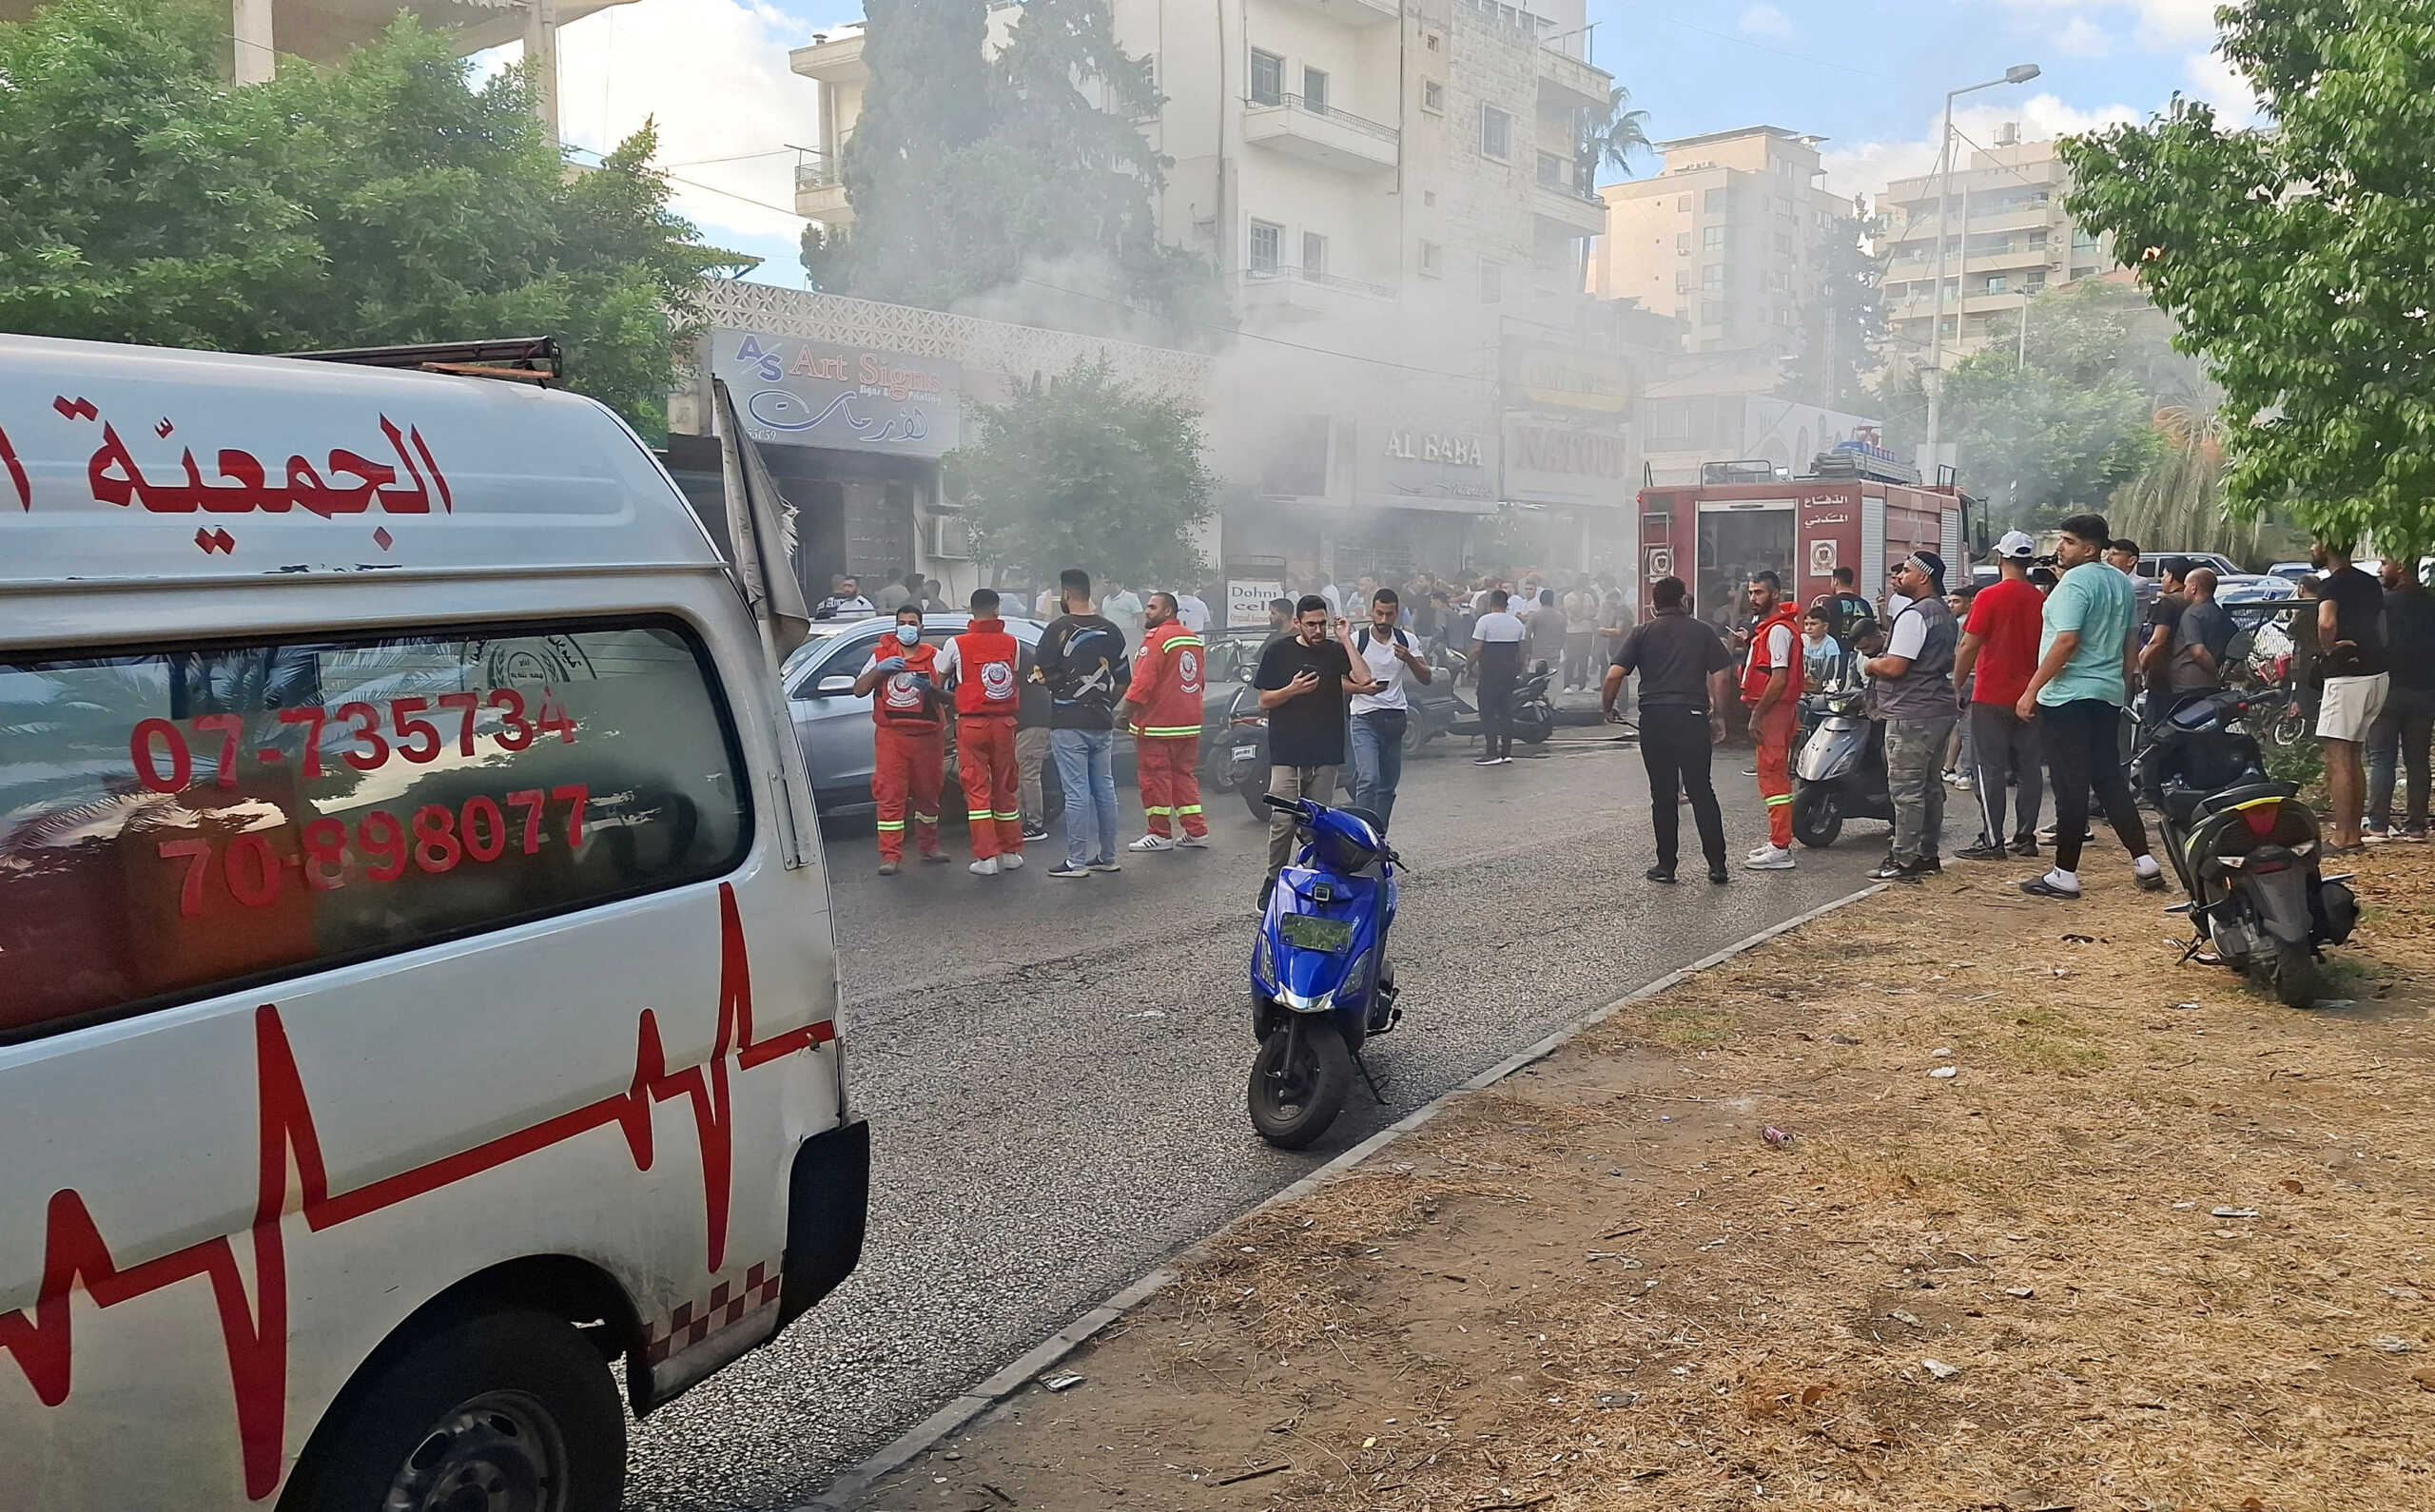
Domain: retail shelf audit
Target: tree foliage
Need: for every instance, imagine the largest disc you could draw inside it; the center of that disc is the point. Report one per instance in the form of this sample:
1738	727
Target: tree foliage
969	174
2299	260
1843	327
1087	471
2073	423
1609	138
384	201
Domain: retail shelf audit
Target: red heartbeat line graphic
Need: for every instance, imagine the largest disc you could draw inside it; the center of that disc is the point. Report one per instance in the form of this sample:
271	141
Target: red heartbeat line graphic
215	541
16	472
255	1334
74	409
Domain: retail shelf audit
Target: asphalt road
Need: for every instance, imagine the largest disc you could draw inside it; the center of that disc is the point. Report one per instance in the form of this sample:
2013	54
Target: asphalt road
1055	1071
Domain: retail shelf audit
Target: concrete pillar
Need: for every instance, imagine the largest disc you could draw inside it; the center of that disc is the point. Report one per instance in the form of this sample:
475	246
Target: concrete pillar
249	24
540	59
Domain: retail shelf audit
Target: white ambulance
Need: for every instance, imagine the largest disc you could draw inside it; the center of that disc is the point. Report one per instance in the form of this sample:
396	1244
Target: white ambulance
415	987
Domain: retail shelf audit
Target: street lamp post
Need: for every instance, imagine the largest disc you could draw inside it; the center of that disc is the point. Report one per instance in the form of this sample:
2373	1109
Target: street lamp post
2019	74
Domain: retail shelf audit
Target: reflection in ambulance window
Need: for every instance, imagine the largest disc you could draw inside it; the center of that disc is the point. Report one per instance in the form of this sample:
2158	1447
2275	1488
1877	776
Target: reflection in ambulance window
185	821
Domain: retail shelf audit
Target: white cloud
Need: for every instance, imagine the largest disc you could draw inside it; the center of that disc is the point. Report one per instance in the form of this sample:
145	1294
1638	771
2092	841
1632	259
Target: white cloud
2082	38
713	75
1867	167
2213	80
1763	20
2158	26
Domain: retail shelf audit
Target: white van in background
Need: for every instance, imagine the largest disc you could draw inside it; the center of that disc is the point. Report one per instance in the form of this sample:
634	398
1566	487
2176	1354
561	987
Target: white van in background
416	983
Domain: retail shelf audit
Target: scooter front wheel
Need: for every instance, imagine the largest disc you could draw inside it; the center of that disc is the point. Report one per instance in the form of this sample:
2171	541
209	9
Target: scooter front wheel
1816	818
1300	1081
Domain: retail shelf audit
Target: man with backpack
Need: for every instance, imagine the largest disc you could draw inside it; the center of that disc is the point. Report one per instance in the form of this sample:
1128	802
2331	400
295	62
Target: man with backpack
1850	618
1379	716
983	662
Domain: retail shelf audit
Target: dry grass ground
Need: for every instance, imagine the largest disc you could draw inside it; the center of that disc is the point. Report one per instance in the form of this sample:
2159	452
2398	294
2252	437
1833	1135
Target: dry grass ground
2165	1242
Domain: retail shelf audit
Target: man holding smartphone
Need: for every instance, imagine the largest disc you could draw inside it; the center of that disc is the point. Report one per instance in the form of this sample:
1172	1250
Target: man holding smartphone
1302	681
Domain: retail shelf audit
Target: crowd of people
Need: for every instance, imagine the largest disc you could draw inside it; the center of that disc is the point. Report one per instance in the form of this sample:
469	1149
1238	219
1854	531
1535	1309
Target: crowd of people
2006	693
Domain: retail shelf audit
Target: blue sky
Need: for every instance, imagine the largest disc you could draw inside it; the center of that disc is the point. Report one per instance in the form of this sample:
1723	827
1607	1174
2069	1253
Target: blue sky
1870	78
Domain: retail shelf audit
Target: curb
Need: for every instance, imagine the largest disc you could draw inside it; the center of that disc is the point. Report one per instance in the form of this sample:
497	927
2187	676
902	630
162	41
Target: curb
962	1410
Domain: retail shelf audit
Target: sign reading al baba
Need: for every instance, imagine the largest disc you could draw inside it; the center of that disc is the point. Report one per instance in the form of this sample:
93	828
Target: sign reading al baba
800	392
1421	467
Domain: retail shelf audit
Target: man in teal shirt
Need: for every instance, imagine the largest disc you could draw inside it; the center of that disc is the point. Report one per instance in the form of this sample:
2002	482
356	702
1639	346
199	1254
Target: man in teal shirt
2083	677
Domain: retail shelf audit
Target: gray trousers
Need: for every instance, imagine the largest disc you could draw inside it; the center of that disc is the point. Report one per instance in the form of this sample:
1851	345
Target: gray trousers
2007	747
1293	782
1914	779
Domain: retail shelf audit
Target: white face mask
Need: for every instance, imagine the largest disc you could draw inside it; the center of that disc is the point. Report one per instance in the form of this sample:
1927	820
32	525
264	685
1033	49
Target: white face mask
908	635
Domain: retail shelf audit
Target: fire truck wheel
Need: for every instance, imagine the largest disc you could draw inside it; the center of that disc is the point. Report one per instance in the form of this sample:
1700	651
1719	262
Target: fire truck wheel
510	1410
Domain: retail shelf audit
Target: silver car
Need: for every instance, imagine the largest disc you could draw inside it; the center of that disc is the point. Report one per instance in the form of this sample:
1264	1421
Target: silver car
835	726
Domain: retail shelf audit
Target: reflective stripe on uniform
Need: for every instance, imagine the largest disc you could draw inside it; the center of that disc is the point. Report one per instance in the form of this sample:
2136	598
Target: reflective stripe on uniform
1171	733
978	813
1780	797
1189	808
1155	812
891	823
925	819
1015	814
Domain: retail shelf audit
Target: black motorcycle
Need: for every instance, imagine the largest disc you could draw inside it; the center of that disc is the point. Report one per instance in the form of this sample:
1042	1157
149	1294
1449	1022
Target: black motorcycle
2245	846
1535	713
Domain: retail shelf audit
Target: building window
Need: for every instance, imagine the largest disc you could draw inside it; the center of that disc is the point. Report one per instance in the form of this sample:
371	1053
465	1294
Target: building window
1268	246
1496	133
1712	239
1314	254
1711	312
1714	203
1268	78
1553	170
1684	204
1315	91
1783	208
1433	41
1783	244
1682	243
1997	283
1682	280
1682	313
2083	240
1433	97
1491	281
1712	277
1431	261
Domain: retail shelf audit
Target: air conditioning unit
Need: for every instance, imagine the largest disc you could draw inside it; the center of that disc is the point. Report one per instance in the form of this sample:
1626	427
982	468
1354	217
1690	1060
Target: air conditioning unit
949	537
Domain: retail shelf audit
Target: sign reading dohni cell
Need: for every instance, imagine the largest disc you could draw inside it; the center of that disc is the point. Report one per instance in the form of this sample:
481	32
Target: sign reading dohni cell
799	393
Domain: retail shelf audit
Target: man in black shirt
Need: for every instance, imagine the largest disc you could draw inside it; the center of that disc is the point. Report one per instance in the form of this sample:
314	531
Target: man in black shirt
2350	644
2401	735
1082	663
1682	665
1302	681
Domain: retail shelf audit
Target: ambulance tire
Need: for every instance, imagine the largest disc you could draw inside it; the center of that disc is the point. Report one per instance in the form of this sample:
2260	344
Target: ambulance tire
516	1407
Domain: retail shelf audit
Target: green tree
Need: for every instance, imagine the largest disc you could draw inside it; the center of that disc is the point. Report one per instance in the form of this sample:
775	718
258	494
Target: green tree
383	201
967	175
2295	259
1843	327
1087	471
2069	426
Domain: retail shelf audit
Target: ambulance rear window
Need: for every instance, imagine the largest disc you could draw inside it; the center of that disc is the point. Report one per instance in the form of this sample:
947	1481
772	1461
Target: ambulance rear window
185	820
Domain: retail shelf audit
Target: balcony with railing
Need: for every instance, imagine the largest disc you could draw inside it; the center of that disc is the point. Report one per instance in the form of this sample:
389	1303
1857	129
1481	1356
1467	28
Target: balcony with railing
1319	132
1287	291
820	188
1562	199
1351	12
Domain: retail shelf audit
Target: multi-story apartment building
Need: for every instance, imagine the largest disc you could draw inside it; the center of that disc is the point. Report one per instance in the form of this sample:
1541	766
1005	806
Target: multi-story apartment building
1391	195
2006	237
1733	239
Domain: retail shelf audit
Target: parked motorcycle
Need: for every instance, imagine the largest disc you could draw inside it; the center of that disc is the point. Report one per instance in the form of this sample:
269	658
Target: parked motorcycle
1321	983
2245	846
1234	756
1535	713
1841	767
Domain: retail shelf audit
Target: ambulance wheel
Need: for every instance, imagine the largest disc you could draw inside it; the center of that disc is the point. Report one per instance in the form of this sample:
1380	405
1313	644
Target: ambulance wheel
1817	819
510	1411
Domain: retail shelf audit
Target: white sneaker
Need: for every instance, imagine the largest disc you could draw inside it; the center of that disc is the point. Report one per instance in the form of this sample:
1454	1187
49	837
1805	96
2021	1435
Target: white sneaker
1151	843
1771	857
1010	860
1191	842
1758	852
984	869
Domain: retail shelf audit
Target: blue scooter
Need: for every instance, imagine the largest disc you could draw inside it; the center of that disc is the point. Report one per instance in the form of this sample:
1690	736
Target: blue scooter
1320	980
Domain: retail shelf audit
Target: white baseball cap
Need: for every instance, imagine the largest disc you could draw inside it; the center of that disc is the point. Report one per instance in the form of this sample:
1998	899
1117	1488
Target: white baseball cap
2017	546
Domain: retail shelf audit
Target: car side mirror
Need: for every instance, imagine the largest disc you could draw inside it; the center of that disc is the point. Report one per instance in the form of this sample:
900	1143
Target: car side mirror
832	686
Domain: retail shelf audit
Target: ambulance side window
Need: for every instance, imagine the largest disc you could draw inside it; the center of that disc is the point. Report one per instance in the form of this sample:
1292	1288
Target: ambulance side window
183	820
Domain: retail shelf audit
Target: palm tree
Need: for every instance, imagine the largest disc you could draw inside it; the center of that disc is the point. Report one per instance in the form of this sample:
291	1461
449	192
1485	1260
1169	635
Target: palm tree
1611	139
2178	499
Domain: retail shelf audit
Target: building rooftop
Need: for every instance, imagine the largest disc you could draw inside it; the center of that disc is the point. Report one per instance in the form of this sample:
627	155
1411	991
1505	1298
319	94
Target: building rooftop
1704	138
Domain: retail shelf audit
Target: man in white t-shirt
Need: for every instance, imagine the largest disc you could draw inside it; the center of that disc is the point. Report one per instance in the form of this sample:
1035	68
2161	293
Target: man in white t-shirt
1192	612
1390	652
1497	661
1122	607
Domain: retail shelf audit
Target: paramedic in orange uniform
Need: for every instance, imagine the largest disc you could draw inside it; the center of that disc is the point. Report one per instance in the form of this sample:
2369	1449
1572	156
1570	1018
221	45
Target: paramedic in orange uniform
908	738
1162	708
981	664
1771	678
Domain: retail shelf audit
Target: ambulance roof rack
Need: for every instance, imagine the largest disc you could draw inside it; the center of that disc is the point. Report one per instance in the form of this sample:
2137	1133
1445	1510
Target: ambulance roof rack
536	359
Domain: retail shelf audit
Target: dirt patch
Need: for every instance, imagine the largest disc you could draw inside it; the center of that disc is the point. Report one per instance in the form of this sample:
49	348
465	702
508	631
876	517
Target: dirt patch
1599	1286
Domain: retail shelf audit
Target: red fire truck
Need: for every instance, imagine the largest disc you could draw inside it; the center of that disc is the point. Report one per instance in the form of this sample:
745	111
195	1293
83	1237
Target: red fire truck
1860	507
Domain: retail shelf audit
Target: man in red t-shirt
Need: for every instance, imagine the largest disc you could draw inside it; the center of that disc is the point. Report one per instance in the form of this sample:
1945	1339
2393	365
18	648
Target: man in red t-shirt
2000	644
